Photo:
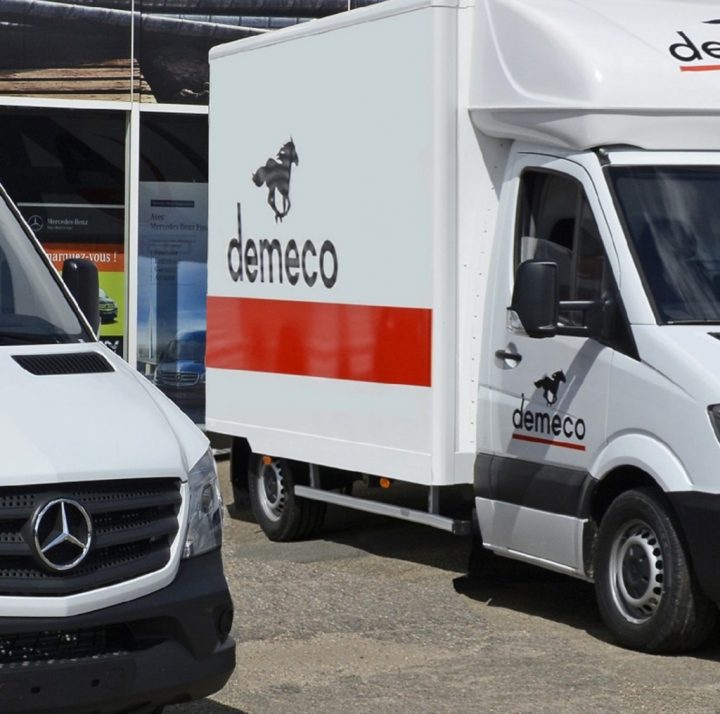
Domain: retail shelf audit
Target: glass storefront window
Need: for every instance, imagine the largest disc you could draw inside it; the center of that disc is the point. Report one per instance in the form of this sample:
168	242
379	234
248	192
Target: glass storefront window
172	263
65	170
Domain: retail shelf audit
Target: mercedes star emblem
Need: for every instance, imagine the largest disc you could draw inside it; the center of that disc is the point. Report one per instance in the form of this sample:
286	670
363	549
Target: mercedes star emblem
62	534
36	222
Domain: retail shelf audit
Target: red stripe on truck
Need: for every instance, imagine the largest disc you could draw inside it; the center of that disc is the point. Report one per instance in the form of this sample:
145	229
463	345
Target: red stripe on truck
700	68
549	442
365	343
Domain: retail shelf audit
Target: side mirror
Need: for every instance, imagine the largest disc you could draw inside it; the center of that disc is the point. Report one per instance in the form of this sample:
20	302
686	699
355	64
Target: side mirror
535	297
81	278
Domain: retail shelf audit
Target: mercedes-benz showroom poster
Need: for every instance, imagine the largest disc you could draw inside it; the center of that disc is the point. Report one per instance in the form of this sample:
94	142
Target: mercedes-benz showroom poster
172	285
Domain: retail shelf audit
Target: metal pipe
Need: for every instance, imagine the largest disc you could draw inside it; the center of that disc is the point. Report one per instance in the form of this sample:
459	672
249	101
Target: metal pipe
45	12
285	8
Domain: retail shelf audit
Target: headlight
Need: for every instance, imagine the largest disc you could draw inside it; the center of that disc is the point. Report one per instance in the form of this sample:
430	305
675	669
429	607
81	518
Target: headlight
714	412
205	512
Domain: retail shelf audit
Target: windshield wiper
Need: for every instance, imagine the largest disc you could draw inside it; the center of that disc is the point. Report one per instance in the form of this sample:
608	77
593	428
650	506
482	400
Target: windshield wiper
33	338
693	322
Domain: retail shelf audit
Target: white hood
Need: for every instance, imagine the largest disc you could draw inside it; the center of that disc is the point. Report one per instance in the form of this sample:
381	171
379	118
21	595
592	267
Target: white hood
70	427
687	355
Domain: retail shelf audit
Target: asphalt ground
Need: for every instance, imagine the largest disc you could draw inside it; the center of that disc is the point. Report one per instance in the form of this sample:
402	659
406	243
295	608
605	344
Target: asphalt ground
377	615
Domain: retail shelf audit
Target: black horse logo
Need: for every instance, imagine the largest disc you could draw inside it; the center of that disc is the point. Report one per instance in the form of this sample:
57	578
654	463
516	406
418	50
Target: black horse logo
550	386
276	176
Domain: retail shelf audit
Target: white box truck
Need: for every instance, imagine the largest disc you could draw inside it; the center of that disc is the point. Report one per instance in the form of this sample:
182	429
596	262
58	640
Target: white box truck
477	245
112	593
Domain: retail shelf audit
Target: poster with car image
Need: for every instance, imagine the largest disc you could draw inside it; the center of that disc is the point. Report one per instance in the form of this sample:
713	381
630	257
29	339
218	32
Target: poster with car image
172	287
96	234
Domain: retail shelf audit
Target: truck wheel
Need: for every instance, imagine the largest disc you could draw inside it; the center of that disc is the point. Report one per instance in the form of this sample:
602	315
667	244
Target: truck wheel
240	455
646	591
281	515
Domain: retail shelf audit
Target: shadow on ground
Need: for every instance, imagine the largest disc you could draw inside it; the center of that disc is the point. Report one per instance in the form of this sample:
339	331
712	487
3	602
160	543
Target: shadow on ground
387	537
488	578
505	583
510	584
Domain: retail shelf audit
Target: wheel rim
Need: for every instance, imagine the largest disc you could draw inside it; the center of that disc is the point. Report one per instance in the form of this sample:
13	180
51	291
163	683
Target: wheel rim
636	571
271	490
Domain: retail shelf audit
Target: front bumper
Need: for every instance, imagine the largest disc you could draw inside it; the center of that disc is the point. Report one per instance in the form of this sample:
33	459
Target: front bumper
699	516
166	648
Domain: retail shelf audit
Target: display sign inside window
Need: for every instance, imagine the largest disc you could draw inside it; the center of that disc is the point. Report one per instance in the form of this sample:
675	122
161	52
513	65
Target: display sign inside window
172	285
96	234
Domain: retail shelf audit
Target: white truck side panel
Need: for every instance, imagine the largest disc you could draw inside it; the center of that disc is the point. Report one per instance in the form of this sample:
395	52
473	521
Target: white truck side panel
375	174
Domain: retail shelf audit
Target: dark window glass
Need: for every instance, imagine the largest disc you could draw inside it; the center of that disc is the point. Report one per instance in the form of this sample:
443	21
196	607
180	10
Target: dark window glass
556	224
547	222
32	307
63	156
672	214
174	147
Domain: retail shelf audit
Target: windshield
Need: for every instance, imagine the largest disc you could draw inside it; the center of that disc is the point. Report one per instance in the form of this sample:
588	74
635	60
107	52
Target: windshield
192	350
33	309
672	214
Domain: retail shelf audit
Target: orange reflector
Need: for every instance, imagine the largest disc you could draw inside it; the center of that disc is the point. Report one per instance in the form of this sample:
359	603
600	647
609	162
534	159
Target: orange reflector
267	460
385	483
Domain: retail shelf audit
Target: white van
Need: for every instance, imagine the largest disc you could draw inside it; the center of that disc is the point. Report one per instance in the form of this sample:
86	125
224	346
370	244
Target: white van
477	245
112	593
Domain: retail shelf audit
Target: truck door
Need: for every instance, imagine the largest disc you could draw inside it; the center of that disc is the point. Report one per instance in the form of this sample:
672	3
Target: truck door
547	397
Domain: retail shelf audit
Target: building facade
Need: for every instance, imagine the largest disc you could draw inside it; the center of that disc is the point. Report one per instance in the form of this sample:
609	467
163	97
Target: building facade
103	147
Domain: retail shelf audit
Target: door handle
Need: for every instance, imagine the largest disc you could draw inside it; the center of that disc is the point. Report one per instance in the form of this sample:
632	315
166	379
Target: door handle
510	356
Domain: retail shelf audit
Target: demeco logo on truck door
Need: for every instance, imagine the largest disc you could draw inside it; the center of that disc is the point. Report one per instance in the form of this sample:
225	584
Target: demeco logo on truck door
547	425
255	259
696	55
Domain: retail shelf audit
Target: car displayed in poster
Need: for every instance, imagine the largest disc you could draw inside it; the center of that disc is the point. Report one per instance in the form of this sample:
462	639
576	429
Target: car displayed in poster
108	308
180	372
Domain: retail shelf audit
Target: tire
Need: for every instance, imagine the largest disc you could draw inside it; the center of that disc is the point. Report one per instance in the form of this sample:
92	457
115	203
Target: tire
646	591
282	515
240	455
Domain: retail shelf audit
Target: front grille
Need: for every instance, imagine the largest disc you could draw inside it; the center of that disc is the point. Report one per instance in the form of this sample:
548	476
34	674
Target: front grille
178	379
66	363
134	523
64	644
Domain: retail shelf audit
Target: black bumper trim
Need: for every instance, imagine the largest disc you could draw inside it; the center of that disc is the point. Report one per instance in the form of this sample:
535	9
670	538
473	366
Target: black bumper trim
178	652
699	517
534	484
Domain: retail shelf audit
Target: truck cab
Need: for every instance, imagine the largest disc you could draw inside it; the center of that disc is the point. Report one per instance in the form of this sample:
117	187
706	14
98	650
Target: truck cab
598	384
598	388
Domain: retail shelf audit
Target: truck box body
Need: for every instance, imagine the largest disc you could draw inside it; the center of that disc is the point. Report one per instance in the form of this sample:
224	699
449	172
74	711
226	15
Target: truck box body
401	151
348	309
406	202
